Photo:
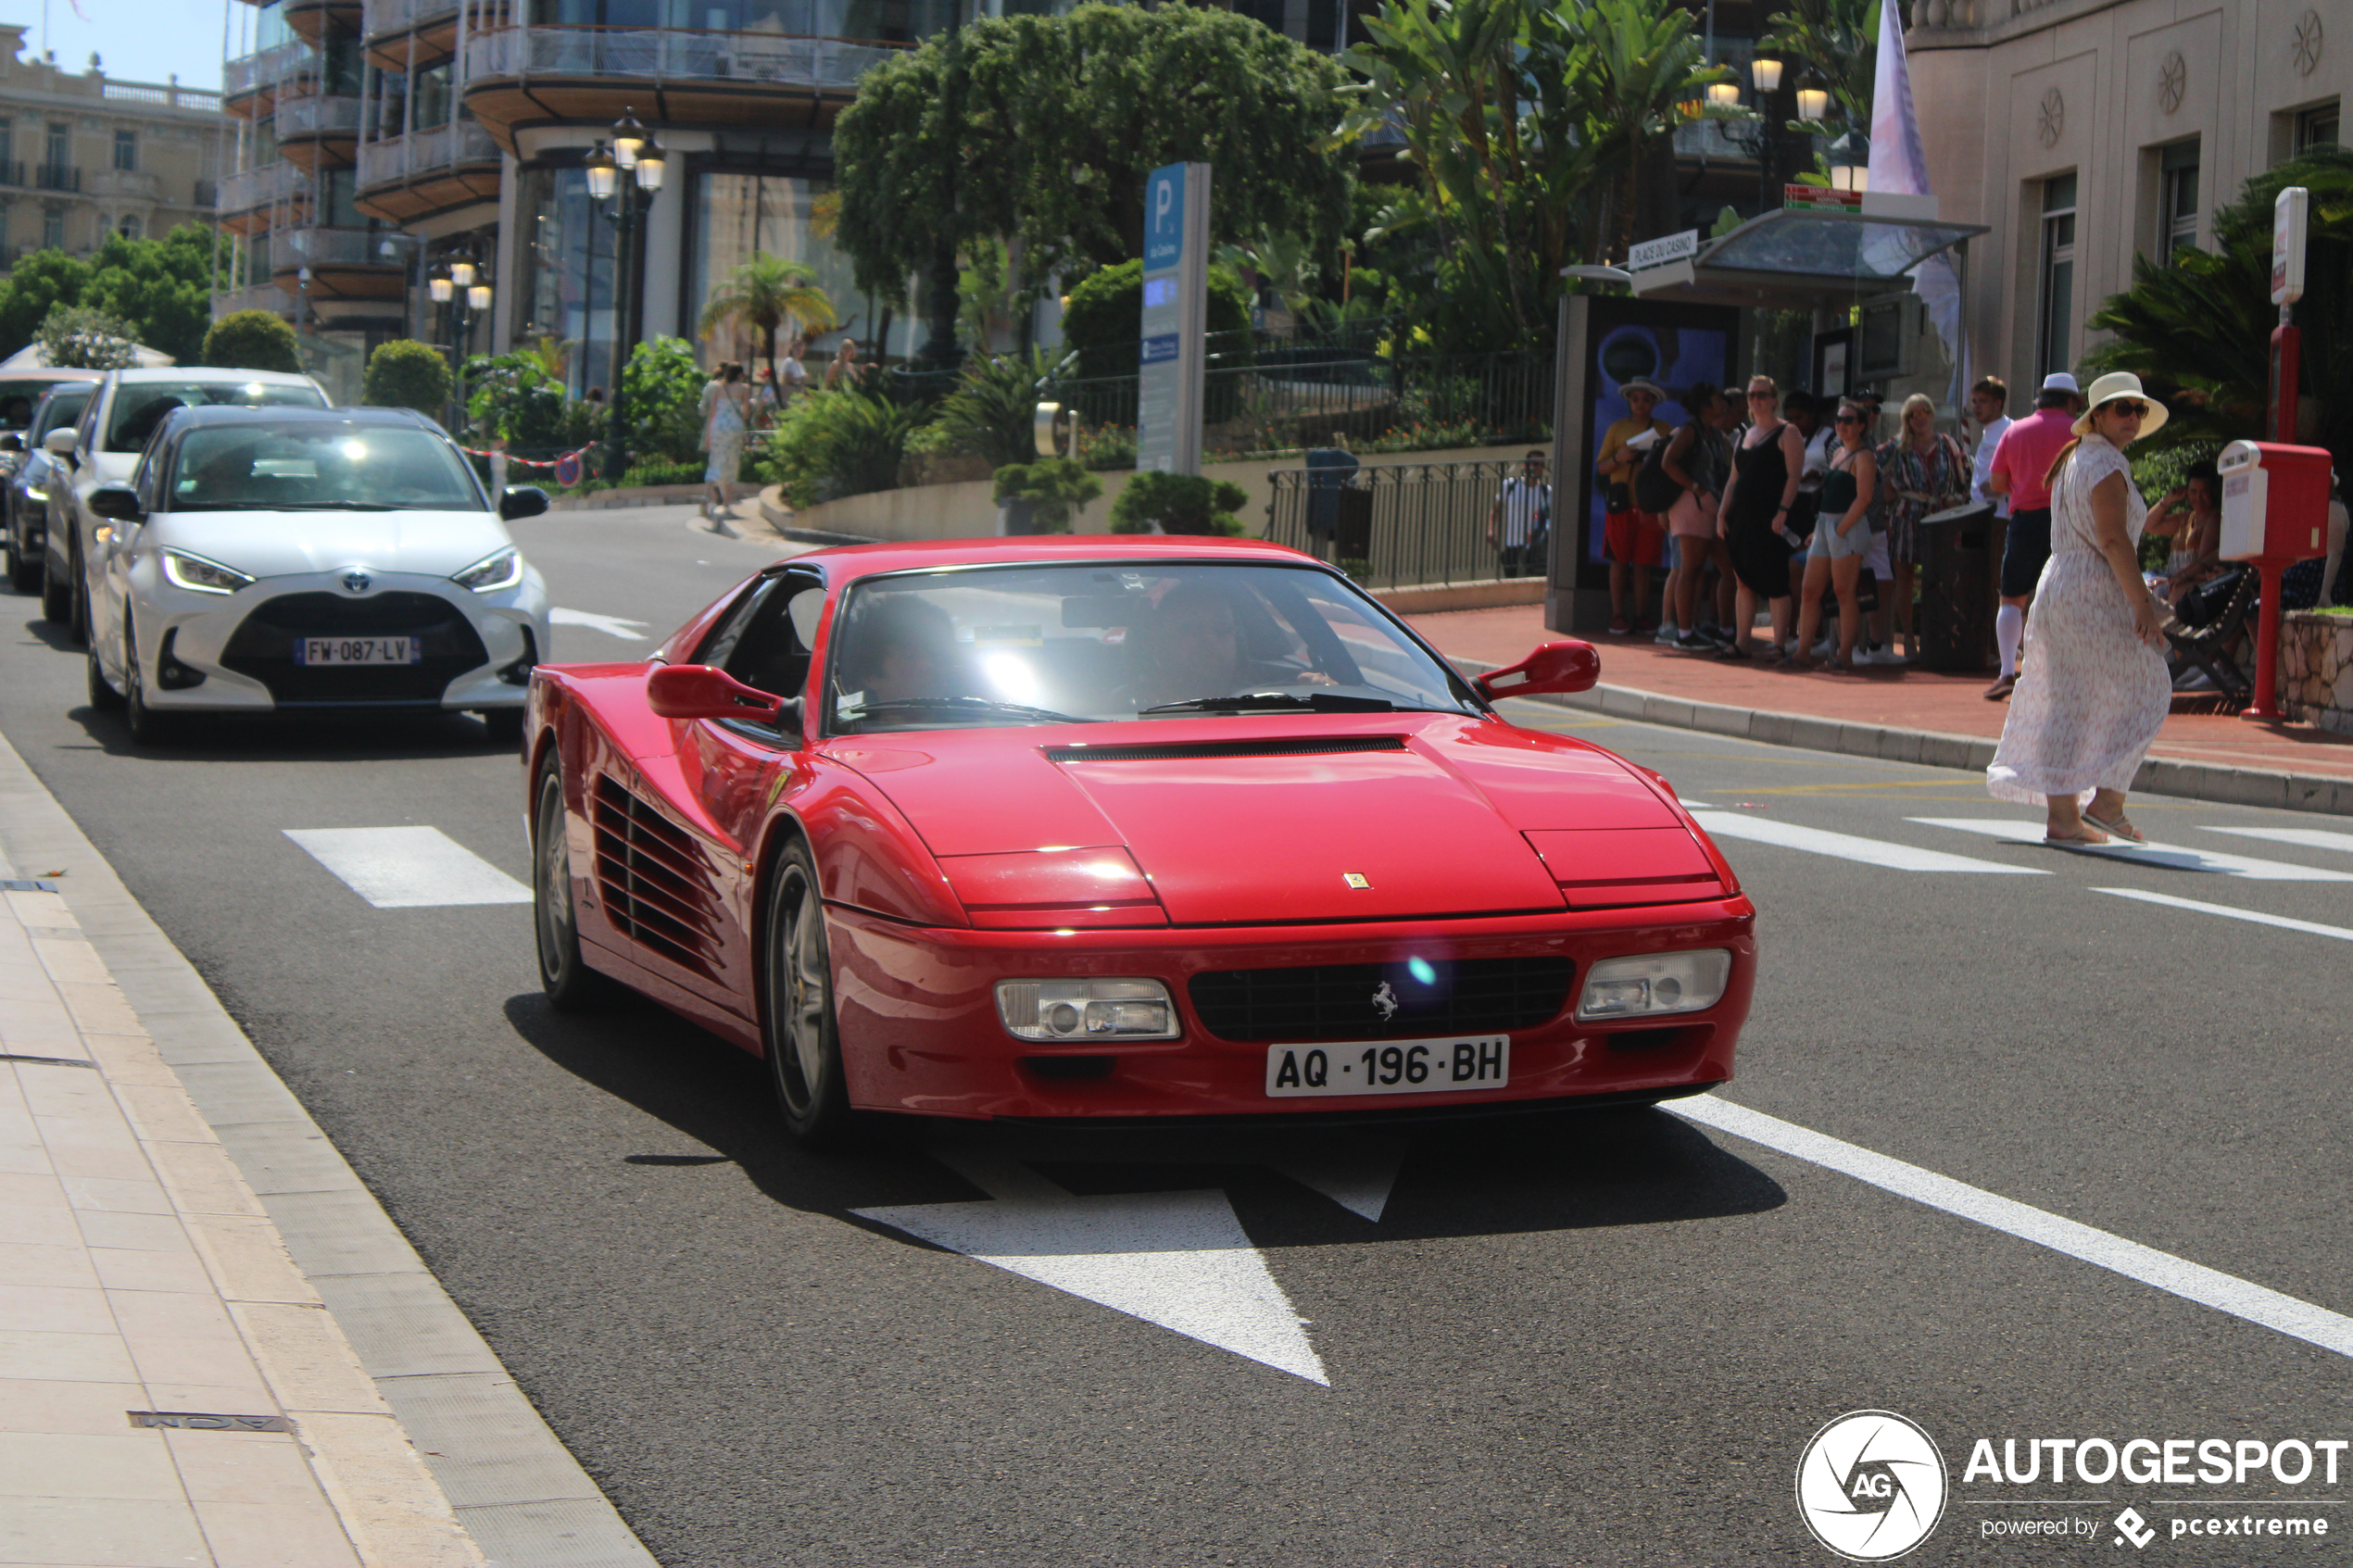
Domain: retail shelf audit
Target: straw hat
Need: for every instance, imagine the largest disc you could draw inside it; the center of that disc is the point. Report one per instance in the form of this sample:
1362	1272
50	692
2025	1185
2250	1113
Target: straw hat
2116	384
1643	383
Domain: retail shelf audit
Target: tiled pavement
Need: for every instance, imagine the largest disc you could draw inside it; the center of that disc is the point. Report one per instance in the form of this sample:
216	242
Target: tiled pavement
139	1274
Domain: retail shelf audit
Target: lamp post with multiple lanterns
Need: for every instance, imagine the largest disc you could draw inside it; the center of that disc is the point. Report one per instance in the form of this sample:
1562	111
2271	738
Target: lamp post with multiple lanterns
458	287
636	153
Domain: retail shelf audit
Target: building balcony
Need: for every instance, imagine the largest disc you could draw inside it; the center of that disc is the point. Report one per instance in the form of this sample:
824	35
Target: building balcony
343	263
428	172
167	95
124	184
393	26
319	129
593	73
250	84
309	19
252	199
56	177
261	297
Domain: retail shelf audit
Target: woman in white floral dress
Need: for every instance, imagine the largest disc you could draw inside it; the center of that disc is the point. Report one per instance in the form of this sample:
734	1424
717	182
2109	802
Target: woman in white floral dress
2095	689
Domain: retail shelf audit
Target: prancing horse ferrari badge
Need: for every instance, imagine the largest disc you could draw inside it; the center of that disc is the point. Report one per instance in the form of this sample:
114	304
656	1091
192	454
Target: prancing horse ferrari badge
1357	879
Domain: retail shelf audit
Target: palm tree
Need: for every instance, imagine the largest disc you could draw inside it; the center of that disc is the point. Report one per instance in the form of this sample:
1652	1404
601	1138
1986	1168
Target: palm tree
2197	326
765	293
1648	63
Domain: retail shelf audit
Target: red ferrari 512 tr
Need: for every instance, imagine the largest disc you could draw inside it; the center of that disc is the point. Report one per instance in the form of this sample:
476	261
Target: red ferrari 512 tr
1120	828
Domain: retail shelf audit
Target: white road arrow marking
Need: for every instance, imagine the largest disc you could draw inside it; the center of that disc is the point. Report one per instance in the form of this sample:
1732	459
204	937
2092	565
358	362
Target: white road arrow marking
2310	927
1177	1260
1358	1179
610	625
1850	847
2175	857
409	868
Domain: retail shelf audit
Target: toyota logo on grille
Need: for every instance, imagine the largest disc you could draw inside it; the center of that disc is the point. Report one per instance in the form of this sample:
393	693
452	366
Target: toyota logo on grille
356	582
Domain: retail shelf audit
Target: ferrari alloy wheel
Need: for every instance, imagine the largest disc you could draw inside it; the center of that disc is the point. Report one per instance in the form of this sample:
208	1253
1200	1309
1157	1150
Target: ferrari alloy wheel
799	1034
571	984
147	726
103	697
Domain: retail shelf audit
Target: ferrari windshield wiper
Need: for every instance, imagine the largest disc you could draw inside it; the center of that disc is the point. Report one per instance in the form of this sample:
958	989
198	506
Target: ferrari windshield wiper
962	703
1321	702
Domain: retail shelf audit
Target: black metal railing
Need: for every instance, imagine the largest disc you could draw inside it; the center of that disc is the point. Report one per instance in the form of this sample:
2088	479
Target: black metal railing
1398	524
56	177
1288	399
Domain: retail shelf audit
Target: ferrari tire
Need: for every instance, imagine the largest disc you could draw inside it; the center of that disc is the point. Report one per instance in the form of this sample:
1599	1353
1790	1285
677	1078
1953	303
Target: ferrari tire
103	697
147	726
570	983
799	1032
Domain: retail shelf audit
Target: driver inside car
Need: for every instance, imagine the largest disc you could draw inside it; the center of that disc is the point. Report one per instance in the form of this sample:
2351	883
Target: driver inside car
1195	647
903	648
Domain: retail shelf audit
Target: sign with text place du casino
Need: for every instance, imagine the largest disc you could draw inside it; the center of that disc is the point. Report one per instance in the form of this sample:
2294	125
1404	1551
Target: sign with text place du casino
1172	356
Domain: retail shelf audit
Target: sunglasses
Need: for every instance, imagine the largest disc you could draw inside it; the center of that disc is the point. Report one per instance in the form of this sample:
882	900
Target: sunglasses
2129	409
1760	396
1849	420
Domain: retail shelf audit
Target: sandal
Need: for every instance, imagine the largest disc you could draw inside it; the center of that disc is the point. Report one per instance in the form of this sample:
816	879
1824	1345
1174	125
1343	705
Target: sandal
2120	828
2077	839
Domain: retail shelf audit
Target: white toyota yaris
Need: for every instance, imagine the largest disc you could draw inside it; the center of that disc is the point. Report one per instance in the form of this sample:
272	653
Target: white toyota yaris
280	559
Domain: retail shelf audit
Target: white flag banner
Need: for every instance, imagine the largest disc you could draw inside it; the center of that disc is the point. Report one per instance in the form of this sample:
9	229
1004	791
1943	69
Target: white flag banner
1898	164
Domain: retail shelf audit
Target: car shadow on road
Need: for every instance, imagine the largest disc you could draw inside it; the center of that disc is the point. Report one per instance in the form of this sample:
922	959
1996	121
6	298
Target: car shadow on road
1555	1169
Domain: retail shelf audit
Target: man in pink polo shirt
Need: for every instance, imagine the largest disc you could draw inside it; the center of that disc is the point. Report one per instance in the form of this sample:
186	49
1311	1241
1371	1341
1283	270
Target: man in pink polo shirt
2020	461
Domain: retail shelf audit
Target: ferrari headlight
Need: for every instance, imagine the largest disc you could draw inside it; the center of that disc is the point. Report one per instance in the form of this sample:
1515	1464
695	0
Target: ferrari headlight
200	575
1654	983
493	572
1086	1009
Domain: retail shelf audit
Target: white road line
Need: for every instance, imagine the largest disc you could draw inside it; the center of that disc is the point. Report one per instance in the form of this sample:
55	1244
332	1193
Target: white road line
611	625
2179	1276
409	868
2309	838
1358	1178
1847	846
2283	922
2173	857
1691	805
1177	1260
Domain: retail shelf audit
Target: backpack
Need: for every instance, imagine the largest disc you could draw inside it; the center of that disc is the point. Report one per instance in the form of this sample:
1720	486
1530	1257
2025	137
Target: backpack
1655	491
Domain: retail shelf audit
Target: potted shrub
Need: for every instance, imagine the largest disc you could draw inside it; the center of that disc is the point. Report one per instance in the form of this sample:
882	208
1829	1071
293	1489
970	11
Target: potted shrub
1042	498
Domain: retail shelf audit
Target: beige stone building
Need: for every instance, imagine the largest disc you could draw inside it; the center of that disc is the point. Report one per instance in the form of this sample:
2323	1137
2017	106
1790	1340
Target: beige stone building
2083	133
83	157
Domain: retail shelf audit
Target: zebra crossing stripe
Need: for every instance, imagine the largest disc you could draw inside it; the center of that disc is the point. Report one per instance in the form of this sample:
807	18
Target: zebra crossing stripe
409	868
1849	846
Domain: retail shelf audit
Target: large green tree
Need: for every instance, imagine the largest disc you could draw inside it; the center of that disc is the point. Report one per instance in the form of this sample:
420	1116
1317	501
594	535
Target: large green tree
160	288
1529	124
2197	326
1051	124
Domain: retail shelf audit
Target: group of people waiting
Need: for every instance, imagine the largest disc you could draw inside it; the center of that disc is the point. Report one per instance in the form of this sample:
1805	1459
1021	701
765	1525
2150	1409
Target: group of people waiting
732	407
1772	501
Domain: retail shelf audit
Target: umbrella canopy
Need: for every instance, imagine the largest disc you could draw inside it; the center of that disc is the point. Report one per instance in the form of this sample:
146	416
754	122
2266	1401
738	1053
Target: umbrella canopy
32	358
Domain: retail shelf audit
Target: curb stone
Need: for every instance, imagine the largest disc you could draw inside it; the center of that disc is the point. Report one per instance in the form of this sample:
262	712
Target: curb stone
2159	775
513	1486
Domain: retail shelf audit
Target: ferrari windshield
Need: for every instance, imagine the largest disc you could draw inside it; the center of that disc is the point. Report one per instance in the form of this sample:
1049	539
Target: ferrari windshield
1044	644
318	465
140	405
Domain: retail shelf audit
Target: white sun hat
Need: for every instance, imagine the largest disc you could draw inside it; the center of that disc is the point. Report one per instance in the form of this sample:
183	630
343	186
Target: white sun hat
2116	384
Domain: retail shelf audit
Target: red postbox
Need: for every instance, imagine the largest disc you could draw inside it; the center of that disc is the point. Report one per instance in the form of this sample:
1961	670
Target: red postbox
2275	513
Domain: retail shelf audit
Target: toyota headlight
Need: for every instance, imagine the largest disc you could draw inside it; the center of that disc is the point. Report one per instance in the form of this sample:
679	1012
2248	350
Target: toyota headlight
503	570
1654	983
1086	1009
201	576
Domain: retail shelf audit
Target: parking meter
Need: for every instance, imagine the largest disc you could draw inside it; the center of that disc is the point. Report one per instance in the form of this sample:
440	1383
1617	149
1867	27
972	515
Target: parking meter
2275	513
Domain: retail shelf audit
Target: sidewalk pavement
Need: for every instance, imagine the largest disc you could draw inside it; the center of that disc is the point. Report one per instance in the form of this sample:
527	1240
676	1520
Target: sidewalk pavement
215	1347
1904	714
171	1389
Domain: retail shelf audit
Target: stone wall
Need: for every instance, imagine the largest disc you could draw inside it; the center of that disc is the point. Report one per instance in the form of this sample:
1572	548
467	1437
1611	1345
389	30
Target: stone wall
966	510
2316	668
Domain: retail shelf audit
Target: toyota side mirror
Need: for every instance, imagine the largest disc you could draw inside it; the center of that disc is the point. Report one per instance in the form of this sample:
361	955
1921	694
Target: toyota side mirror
118	502
521	500
58	443
698	691
13	441
1565	666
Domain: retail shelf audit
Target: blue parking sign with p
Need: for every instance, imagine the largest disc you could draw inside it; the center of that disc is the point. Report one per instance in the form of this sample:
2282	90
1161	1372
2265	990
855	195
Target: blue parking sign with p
1163	217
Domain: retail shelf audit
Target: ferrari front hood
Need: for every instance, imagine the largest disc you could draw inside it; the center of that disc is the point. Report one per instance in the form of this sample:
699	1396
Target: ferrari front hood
1241	823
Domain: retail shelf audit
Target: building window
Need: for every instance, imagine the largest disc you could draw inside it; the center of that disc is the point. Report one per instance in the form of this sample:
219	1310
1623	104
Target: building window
60	148
734	217
2316	128
2055	294
126	150
53	228
563	287
7	153
2176	200
129	226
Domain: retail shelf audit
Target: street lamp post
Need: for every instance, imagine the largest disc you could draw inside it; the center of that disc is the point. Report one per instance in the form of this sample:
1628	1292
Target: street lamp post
636	152
458	287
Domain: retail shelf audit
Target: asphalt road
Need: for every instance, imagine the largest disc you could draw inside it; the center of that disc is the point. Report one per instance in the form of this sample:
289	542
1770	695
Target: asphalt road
1601	1338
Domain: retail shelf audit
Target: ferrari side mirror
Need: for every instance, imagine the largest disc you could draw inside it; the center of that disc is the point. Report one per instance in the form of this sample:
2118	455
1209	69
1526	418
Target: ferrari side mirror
698	691
1565	666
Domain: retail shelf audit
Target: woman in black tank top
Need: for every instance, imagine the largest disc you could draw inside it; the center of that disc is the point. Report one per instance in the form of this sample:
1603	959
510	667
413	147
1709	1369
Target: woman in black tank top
1755	519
